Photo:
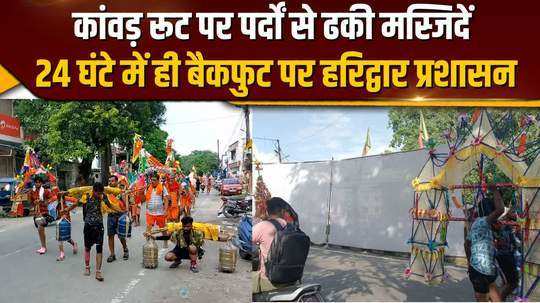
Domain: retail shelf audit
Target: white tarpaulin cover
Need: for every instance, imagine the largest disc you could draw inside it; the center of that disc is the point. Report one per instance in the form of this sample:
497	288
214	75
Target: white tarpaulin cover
370	200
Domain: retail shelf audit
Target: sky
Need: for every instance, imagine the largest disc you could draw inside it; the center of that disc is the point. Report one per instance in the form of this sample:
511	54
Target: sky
198	125
311	134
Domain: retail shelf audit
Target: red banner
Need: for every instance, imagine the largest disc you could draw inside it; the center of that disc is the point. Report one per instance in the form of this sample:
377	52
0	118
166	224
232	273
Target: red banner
10	126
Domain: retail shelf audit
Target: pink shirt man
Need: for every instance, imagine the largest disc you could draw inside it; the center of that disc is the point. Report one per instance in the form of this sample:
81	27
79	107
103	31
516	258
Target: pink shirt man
263	235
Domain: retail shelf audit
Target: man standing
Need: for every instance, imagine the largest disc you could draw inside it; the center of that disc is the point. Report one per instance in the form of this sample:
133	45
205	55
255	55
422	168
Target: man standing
480	248
94	205
41	197
174	192
112	221
156	204
209	184
263	235
189	244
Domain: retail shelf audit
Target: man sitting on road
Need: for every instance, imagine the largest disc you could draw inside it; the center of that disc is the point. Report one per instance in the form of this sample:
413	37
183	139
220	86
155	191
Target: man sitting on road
189	244
263	234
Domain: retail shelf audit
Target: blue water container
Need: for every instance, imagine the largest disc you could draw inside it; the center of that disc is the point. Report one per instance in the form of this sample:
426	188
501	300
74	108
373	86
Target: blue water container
124	226
51	207
63	230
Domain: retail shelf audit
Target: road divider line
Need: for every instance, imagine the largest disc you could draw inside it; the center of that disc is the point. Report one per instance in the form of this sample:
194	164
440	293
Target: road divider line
121	296
13	252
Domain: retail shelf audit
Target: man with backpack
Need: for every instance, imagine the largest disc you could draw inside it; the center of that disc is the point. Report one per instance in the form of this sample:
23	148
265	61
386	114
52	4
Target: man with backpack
276	235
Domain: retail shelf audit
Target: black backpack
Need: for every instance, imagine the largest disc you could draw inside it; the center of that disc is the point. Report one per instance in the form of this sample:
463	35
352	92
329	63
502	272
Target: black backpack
287	255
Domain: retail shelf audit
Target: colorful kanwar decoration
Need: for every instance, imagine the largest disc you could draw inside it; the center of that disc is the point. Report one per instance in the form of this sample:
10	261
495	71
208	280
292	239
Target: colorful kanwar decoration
477	140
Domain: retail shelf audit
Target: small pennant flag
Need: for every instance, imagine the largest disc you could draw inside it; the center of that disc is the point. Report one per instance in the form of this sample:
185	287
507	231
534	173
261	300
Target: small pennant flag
137	147
423	126
367	144
420	141
422	131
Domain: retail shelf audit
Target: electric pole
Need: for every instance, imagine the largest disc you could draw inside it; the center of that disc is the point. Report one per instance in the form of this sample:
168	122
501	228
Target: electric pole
246	163
278	150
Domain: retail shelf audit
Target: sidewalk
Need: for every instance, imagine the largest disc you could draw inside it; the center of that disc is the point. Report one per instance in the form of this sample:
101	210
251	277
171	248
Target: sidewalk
351	276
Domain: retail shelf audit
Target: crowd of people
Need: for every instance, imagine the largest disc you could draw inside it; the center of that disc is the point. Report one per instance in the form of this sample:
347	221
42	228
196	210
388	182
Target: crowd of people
169	197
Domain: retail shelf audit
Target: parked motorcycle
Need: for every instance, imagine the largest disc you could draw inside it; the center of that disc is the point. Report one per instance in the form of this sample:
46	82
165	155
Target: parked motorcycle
234	208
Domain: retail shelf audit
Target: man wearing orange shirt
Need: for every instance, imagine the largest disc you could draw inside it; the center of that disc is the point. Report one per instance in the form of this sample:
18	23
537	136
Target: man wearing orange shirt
157	198
174	192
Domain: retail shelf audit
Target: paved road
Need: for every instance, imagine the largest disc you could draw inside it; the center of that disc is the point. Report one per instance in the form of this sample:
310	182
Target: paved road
28	277
352	276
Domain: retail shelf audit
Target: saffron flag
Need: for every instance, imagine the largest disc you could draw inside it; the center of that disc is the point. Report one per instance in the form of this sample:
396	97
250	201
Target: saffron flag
137	146
420	141
367	144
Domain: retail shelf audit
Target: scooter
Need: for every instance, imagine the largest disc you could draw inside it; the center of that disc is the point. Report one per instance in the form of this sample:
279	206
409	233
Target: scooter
295	293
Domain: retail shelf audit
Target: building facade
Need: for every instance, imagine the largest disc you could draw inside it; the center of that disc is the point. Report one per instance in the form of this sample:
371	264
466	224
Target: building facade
11	140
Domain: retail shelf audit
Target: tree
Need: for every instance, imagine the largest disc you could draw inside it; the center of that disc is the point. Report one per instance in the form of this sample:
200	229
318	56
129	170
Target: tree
69	131
155	143
204	161
404	122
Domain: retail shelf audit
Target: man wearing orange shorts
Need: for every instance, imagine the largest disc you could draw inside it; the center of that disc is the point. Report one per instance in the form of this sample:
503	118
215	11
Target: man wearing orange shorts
173	188
157	198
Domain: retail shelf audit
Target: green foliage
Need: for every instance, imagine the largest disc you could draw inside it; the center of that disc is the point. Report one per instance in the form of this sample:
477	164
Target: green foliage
205	161
405	123
155	142
66	131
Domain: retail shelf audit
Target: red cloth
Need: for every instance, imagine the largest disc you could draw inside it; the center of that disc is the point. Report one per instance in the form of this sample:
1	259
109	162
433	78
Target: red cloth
42	205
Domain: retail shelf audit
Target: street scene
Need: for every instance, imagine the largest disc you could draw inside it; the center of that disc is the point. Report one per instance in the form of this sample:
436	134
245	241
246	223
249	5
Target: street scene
159	212
400	204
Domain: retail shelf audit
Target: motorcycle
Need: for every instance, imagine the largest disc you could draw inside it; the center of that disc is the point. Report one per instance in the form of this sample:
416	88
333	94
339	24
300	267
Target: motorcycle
235	208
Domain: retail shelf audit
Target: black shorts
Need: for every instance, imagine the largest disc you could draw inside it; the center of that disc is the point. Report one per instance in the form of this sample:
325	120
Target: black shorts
480	281
93	234
48	219
183	253
507	263
180	253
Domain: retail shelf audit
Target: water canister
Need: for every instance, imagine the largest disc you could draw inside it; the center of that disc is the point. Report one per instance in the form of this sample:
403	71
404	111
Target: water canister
227	258
63	230
150	254
124	226
51	207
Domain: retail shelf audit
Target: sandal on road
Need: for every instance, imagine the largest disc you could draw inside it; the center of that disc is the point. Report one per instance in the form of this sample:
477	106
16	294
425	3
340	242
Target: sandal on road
99	277
111	258
126	254
87	271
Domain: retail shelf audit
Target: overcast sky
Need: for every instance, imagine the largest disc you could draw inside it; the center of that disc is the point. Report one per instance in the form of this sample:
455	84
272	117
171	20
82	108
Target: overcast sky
198	125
